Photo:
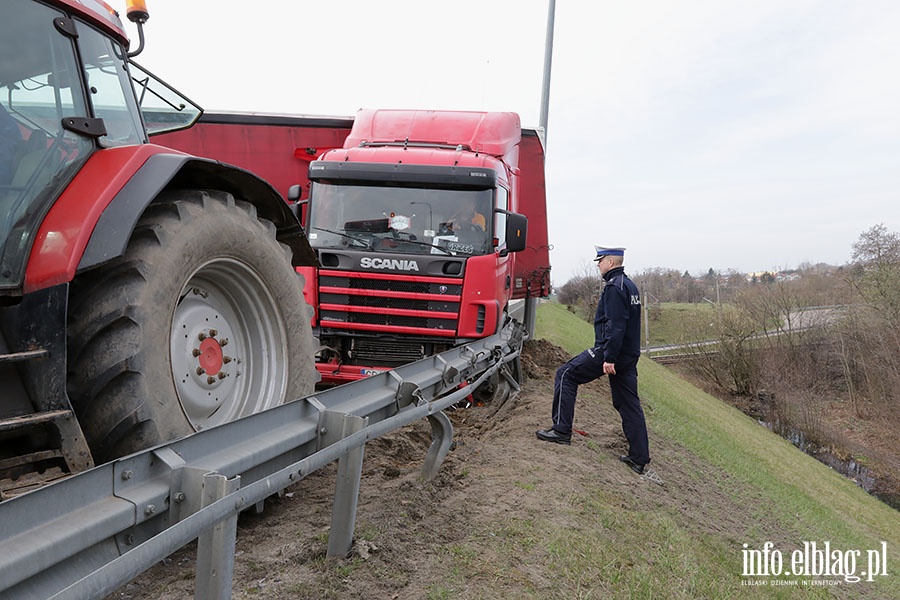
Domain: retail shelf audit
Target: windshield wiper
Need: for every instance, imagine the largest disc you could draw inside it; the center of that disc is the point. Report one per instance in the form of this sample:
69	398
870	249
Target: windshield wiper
444	250
365	243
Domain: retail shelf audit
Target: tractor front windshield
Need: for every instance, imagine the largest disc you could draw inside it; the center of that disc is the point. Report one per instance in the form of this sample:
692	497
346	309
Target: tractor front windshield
399	219
46	108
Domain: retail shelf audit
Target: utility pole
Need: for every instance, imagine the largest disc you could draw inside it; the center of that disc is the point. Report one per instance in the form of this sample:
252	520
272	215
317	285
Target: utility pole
646	317
531	303
548	61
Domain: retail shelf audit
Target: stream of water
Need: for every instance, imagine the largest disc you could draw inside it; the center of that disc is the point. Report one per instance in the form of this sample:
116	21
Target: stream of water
859	474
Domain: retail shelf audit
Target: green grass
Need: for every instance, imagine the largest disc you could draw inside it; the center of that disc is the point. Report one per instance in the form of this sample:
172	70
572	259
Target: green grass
687	546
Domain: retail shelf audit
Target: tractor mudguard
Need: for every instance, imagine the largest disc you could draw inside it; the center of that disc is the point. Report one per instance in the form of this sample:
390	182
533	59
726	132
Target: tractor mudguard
179	171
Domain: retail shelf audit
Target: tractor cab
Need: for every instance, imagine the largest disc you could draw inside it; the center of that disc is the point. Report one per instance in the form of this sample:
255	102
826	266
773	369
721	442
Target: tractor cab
66	90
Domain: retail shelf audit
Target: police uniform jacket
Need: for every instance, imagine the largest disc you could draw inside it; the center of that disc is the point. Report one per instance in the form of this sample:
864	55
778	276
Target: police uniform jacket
617	322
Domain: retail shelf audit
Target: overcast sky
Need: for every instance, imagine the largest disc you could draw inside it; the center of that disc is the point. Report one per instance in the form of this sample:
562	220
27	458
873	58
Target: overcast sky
745	134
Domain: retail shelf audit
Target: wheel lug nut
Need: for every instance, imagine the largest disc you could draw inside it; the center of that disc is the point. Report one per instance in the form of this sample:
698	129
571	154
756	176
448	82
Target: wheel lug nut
210	380
222	374
213	333
196	352
202	336
226	359
224	342
200	371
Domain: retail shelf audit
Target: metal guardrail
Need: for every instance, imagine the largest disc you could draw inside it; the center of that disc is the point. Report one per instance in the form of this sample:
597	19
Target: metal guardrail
87	535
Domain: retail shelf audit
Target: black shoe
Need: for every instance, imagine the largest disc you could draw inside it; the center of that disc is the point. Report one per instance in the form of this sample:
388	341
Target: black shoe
552	435
639	469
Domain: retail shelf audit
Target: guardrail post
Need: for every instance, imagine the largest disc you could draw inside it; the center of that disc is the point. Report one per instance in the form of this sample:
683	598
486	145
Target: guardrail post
346	492
215	547
441	439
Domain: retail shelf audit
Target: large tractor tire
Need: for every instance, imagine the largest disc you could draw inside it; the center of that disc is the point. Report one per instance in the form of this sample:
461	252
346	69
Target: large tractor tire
201	322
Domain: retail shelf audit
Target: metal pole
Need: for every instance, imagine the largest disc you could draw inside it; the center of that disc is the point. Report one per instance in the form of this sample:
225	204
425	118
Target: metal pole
646	319
548	60
530	302
215	547
346	489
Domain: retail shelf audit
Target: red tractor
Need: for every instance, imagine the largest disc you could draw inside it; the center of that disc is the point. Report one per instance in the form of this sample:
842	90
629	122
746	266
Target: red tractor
144	293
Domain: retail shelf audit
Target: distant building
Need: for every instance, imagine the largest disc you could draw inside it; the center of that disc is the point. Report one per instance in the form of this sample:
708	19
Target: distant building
768	276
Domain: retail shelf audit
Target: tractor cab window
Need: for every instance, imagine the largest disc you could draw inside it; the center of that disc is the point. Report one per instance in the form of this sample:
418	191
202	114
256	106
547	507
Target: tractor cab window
109	88
401	219
164	108
40	84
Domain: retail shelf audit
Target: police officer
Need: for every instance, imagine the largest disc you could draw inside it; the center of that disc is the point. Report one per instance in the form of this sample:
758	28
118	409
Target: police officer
617	348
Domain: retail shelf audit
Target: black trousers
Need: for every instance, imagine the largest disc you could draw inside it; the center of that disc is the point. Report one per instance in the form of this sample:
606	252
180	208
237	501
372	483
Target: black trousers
587	367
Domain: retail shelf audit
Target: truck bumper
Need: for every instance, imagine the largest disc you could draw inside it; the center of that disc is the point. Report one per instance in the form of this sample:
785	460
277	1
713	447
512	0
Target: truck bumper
335	374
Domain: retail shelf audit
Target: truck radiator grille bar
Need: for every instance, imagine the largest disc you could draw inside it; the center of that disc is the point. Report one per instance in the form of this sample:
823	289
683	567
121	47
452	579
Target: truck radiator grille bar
353	300
374	351
388	319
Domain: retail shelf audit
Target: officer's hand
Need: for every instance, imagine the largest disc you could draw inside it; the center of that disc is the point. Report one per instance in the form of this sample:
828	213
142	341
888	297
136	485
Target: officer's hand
609	368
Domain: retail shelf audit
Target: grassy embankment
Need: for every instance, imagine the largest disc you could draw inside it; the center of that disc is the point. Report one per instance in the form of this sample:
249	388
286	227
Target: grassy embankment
727	482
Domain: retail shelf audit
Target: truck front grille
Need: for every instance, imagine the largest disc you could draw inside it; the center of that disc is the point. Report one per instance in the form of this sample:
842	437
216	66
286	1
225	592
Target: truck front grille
389	303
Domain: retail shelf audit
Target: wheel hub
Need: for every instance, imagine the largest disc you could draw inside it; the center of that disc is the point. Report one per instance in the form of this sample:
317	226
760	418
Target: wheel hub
211	356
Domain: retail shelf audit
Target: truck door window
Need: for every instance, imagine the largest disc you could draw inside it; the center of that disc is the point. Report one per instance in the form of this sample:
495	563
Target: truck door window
500	218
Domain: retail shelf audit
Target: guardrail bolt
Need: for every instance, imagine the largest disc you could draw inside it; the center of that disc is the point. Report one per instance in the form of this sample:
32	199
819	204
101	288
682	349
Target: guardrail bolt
178	497
149	510
127	474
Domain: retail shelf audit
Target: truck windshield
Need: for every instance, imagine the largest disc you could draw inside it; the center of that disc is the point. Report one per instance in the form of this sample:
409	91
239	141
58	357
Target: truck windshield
406	220
39	85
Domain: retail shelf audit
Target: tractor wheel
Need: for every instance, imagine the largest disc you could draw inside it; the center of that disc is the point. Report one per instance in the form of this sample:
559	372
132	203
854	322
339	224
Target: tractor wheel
200	322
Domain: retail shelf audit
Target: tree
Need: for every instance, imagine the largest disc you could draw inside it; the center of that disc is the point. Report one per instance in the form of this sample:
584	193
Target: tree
876	261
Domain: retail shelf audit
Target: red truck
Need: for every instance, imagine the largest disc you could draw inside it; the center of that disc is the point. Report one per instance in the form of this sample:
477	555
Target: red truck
145	293
401	275
417	221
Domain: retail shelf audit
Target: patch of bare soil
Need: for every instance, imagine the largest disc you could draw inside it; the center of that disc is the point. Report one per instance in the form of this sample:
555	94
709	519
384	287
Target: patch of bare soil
405	525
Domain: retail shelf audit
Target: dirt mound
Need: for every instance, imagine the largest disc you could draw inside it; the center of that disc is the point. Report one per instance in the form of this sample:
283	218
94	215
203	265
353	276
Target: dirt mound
540	358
